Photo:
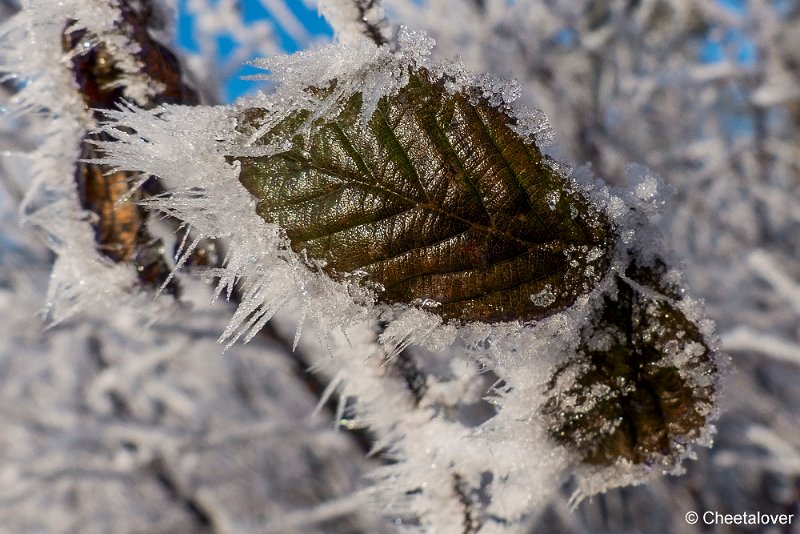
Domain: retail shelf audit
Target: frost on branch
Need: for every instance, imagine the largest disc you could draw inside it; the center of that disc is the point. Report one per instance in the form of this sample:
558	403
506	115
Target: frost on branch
390	191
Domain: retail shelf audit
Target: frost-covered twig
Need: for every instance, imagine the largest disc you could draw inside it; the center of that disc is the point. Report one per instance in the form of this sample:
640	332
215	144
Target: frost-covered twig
744	339
765	266
354	19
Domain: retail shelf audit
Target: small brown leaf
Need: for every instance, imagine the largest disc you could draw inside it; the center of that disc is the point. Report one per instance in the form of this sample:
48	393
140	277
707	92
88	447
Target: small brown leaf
642	384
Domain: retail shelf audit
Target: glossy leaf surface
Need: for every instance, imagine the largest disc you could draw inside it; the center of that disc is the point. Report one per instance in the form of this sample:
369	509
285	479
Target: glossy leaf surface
436	201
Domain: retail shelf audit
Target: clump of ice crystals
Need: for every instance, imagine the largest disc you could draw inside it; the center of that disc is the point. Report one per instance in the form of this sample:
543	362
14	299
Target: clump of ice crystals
545	297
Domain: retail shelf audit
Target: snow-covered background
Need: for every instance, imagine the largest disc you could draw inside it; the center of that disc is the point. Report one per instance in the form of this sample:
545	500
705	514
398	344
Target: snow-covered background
120	413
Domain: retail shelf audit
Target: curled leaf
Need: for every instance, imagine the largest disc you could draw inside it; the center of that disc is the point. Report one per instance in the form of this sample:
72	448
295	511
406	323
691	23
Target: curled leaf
641	386
104	81
437	200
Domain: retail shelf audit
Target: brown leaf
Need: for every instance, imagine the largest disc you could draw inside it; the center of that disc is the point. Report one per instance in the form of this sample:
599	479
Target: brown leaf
437	200
642	384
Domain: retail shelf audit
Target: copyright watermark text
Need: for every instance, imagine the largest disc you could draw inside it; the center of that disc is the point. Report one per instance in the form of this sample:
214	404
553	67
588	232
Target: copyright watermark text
712	517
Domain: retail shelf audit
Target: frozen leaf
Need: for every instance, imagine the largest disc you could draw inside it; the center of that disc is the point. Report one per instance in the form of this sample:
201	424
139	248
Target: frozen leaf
641	387
436	199
105	73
